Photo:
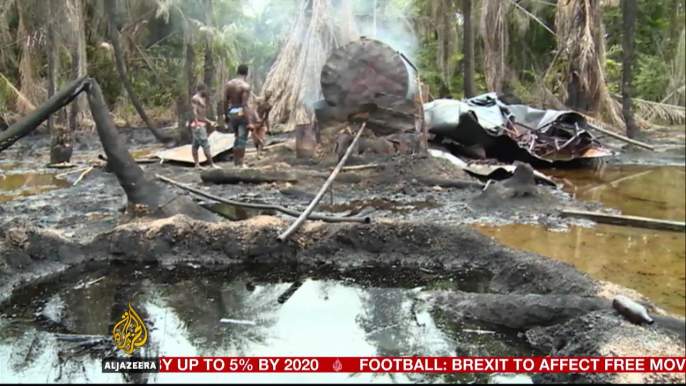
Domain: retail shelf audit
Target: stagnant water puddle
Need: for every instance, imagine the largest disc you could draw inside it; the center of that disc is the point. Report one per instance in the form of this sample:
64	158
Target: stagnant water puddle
194	311
15	182
649	261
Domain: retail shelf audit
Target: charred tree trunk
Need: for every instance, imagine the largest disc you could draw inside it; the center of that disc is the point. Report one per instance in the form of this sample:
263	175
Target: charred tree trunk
145	197
209	78
34	119
78	59
468	49
61	146
53	61
184	101
629	14
210	70
113	32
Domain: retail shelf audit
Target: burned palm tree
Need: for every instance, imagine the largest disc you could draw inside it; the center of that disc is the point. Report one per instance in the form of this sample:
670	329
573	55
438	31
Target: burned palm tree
494	33
629	13
468	49
113	33
581	42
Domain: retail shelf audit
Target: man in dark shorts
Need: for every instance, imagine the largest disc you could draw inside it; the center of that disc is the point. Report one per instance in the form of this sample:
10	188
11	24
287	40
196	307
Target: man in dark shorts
199	125
237	112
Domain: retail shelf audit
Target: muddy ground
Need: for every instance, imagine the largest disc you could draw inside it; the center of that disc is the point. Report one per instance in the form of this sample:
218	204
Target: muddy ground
414	226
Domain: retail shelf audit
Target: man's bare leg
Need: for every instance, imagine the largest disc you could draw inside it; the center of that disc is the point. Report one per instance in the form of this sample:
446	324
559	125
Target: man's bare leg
194	152
208	155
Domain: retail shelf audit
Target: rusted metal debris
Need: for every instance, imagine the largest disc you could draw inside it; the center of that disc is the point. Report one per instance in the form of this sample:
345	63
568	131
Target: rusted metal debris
513	132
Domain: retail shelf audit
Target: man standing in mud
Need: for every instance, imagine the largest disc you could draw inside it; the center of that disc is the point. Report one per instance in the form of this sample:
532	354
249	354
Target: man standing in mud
199	125
261	122
237	112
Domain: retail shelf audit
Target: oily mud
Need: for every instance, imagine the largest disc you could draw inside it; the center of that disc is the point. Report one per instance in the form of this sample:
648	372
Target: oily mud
39	247
438	257
393	189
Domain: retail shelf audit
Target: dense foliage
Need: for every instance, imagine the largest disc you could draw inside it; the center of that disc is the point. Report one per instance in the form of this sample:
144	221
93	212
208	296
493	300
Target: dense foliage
161	39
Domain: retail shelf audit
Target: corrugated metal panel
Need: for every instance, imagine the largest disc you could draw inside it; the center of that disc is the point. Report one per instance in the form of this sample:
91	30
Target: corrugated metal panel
219	143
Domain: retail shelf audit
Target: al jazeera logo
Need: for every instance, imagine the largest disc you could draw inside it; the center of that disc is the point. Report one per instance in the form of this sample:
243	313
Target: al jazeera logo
130	334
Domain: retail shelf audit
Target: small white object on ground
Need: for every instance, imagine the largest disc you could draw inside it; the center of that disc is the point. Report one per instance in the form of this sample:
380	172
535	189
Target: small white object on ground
233	321
510	378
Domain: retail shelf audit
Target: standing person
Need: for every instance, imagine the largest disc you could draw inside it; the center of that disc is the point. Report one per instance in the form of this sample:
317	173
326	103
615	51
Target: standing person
261	125
199	125
237	112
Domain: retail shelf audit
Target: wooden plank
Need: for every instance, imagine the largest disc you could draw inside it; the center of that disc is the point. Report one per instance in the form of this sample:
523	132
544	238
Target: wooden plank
621	137
631	221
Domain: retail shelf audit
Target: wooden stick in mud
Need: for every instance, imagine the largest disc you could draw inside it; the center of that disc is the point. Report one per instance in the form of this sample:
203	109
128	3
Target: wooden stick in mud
62	175
621	137
82	175
300	220
278	208
631	221
358	167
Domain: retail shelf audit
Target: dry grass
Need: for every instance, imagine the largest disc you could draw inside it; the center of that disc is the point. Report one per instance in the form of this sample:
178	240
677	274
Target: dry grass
495	38
581	42
294	77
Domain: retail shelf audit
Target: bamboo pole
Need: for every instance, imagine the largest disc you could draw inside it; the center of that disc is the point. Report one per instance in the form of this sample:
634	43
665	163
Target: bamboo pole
279	208
283	236
621	137
632	221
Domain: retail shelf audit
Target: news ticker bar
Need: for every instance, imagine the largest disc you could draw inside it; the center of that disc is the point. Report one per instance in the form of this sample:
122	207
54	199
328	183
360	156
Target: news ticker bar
393	365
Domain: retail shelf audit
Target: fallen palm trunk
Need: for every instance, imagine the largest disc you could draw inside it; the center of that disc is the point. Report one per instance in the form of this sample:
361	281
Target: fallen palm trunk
631	221
279	208
283	236
518	311
621	137
34	119
246	176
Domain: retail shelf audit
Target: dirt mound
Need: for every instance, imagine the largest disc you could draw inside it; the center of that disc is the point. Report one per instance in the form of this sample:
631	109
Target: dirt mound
410	244
603	333
542	291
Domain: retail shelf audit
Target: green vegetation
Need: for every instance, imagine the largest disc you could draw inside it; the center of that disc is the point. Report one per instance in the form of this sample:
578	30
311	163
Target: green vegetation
170	45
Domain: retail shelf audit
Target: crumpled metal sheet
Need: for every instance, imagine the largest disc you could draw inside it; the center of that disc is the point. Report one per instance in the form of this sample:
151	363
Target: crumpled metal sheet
485	170
546	135
219	143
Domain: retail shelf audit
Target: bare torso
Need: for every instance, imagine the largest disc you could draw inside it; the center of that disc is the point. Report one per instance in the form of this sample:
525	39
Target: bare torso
236	93
199	105
263	107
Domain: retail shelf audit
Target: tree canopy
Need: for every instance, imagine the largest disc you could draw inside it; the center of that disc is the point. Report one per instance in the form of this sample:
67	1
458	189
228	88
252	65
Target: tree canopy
559	54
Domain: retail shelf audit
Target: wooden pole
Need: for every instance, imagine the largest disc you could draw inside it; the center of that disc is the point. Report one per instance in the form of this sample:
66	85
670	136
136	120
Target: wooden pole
279	208
621	137
632	221
283	236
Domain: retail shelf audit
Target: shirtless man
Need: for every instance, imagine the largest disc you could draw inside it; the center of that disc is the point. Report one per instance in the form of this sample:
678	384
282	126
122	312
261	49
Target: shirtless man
261	121
237	112
199	125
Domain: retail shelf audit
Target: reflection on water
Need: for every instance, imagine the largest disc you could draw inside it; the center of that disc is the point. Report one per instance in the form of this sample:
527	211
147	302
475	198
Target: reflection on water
24	184
329	314
646	191
649	261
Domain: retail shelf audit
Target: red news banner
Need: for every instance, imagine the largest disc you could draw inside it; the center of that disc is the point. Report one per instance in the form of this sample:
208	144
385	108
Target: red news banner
419	365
